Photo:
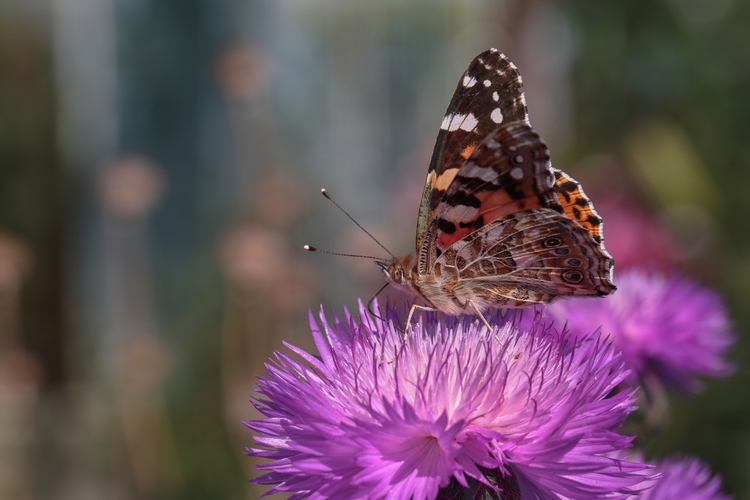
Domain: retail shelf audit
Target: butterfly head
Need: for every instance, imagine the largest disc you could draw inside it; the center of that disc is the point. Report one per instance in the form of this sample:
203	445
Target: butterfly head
393	271
399	270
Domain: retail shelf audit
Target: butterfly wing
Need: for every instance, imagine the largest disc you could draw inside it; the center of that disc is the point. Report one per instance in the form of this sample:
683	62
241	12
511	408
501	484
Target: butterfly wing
576	205
507	198
488	94
508	172
529	257
510	229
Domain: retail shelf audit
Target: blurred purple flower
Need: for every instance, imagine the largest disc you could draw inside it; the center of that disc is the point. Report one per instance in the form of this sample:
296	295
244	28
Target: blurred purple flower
377	415
669	329
684	479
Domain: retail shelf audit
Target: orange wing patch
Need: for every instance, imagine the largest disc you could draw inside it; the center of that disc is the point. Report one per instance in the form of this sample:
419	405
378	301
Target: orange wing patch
466	152
443	180
576	204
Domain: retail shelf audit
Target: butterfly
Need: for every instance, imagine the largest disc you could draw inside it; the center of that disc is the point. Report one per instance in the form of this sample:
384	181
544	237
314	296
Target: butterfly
498	226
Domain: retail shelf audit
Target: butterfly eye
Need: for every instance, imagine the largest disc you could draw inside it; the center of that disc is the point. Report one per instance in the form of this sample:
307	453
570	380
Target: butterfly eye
574	262
572	276
552	242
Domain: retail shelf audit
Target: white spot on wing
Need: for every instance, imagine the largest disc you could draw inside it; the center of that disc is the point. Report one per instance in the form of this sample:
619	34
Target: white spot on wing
518	158
469	81
487	83
517	173
484	173
446	122
497	115
455	121
493	144
469	123
495	96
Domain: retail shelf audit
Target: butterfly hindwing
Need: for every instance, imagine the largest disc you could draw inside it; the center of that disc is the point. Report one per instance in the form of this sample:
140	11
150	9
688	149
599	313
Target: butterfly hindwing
532	256
488	94
576	204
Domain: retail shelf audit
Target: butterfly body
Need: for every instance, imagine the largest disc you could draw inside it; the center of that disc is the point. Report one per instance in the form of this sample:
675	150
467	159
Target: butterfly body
498	227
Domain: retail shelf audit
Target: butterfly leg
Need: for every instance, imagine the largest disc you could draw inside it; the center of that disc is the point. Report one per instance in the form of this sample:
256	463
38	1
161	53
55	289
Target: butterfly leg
481	316
411	313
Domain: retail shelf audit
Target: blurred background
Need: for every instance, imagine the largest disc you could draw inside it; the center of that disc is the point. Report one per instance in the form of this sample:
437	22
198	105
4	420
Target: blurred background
160	167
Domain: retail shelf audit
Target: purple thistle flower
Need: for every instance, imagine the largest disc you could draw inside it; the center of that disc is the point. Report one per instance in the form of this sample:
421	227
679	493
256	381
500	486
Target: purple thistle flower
377	415
684	479
668	329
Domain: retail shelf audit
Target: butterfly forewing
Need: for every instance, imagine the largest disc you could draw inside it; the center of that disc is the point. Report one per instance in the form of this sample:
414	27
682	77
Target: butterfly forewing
508	172
488	94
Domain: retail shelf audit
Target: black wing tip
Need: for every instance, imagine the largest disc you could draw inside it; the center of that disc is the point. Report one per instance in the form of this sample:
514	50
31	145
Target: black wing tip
495	53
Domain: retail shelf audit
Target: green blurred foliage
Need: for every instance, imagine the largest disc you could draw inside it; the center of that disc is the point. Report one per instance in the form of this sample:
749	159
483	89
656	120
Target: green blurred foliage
685	63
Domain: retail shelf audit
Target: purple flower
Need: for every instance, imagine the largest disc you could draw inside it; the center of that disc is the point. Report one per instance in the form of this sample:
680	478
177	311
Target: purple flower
379	415
684	479
668	329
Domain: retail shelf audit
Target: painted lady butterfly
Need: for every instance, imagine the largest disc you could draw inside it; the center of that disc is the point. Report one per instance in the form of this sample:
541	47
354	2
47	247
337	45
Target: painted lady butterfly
498	226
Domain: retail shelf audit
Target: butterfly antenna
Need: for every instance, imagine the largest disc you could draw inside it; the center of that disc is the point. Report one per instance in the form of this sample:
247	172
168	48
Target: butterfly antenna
313	249
328	196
